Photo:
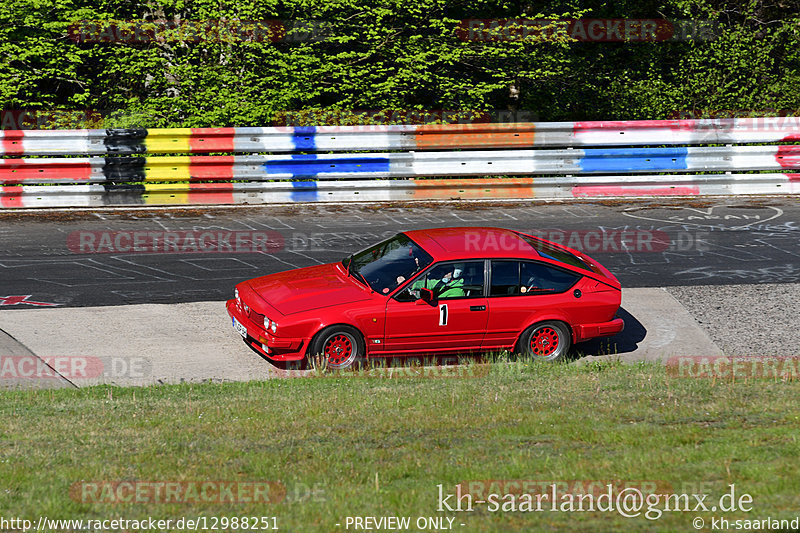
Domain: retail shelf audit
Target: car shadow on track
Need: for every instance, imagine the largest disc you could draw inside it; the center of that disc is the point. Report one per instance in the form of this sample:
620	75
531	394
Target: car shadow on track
624	342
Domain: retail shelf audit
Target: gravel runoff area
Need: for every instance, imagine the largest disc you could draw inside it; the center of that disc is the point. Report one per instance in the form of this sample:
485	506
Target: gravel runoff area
747	320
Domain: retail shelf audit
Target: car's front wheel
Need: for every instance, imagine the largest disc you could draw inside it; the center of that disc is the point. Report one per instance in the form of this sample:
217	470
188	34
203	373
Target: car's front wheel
546	341
340	346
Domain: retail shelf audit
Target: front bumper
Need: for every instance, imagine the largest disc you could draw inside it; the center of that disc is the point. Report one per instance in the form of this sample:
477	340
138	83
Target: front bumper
264	342
601	329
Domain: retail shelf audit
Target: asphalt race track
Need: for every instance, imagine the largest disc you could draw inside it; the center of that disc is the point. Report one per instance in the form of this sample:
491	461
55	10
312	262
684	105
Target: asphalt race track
138	294
78	259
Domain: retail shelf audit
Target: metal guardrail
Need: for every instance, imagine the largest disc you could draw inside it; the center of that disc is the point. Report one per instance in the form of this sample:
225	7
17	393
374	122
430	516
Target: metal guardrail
399	164
624	162
401	137
192	193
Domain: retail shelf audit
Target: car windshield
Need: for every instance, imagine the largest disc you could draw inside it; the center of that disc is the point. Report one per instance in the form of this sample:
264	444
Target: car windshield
388	264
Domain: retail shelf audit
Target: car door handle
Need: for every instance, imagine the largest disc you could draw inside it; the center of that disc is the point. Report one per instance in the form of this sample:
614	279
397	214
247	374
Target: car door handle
477	308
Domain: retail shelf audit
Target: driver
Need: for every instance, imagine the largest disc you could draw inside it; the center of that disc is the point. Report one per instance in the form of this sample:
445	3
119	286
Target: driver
450	285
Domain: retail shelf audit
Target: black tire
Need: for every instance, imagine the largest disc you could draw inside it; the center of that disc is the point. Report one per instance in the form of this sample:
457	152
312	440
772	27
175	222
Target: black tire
340	347
546	341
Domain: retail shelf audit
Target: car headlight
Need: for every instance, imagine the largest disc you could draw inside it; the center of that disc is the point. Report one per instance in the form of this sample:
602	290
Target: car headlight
270	325
236	294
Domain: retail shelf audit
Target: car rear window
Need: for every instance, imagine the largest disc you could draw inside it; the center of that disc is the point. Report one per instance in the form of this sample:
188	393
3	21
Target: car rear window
537	278
556	254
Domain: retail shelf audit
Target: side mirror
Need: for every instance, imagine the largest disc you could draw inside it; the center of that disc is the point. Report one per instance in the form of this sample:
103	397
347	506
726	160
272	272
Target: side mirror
426	295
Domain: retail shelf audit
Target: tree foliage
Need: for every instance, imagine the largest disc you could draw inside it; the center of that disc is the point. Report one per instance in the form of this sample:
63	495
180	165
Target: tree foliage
390	54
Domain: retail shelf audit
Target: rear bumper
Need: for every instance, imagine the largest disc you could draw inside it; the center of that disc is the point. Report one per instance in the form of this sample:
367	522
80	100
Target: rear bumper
264	342
601	329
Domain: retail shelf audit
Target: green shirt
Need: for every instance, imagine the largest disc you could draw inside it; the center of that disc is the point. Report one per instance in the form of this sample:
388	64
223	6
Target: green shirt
452	289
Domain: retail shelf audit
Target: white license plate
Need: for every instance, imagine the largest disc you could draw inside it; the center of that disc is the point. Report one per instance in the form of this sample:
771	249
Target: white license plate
240	328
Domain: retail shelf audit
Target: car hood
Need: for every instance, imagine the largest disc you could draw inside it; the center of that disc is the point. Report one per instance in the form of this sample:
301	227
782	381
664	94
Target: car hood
309	288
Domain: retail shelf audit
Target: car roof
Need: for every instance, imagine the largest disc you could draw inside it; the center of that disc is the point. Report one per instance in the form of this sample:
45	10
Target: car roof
472	242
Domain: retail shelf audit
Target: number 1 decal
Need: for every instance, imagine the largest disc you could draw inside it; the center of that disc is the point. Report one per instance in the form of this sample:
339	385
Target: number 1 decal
443	315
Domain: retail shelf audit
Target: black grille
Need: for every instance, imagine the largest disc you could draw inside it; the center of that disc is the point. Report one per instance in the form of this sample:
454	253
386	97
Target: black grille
256	318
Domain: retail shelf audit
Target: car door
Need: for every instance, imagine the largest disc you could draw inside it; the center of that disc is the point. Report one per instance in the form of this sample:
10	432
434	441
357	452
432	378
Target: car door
456	319
518	290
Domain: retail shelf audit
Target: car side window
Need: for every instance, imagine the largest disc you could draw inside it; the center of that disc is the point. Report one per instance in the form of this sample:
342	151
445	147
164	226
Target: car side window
536	278
505	278
463	279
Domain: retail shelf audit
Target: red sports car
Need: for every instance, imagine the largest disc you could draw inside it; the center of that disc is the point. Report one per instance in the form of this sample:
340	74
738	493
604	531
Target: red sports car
432	292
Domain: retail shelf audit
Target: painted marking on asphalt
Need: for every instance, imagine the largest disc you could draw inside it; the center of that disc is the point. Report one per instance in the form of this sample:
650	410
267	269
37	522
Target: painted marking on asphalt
23	299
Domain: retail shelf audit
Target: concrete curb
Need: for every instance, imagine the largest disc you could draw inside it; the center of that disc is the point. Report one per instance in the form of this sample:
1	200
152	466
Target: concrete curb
657	327
22	358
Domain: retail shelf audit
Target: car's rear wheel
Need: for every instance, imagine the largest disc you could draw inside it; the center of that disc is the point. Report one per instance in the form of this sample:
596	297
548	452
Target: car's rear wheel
546	341
340	347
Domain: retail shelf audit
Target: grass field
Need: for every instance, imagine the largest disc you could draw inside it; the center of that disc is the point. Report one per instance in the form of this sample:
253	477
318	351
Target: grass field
335	447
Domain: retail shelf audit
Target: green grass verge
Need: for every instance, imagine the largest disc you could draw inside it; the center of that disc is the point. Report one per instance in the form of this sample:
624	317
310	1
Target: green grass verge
347	446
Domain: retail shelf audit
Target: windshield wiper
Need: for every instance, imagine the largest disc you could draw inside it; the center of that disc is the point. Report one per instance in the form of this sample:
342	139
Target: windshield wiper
361	277
355	273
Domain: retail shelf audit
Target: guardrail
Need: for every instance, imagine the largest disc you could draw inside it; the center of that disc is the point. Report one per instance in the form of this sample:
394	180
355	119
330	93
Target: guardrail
633	158
401	137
